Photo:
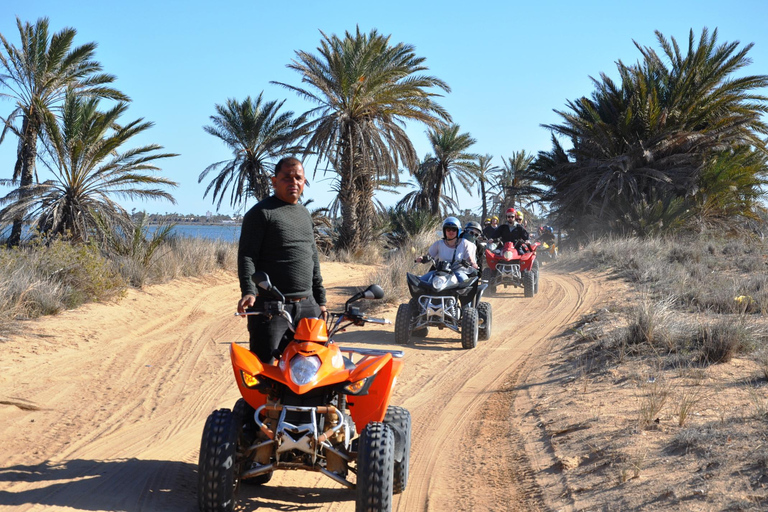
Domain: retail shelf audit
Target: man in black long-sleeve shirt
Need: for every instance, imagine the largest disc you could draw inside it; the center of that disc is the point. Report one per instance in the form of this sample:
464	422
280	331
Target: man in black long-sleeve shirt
277	237
513	231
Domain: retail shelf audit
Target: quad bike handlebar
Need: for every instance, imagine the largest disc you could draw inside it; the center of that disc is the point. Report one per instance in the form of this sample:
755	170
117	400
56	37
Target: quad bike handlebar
351	314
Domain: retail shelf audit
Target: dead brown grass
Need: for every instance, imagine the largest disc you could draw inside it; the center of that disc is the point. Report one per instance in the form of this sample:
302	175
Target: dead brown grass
671	378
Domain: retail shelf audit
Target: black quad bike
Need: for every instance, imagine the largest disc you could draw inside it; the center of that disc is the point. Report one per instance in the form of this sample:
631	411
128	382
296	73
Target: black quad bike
436	301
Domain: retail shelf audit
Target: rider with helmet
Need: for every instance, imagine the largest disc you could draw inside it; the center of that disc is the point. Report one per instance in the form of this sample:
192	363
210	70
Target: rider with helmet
489	230
452	248
472	233
547	235
513	231
455	250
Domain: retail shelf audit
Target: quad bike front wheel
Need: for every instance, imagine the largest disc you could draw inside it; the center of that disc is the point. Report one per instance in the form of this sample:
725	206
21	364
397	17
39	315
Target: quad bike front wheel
247	436
400	420
375	468
218	466
421	332
469	327
536	271
403	324
485	317
529	282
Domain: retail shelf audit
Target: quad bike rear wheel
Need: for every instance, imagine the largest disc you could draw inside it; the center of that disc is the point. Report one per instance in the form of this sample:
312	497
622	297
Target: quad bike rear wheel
400	419
488	275
375	468
403	324
469	327
485	318
218	466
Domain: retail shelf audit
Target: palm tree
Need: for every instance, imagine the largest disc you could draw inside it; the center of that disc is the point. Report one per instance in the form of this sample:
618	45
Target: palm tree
37	76
366	89
485	174
89	166
514	185
256	133
450	160
656	135
421	199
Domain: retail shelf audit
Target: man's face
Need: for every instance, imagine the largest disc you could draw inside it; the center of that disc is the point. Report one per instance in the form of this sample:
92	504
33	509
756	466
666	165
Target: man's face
289	183
511	218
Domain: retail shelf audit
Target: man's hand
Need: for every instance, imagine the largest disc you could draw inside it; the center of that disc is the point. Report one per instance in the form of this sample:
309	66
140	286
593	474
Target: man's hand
324	313
246	302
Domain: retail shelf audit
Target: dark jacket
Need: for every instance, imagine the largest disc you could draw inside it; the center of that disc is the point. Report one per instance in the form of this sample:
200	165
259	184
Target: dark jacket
278	238
507	233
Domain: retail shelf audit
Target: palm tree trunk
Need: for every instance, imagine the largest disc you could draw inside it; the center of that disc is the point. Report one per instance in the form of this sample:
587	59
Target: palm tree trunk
434	201
485	201
365	212
348	197
26	157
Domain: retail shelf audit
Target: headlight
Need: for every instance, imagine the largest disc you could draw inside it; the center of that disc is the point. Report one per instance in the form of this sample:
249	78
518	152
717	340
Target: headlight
304	369
439	282
507	255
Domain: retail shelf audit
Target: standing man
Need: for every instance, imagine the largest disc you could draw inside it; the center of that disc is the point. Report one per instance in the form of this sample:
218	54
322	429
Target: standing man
278	238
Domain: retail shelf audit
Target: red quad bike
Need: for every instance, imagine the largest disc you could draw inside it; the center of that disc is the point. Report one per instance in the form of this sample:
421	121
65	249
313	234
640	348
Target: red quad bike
508	266
315	409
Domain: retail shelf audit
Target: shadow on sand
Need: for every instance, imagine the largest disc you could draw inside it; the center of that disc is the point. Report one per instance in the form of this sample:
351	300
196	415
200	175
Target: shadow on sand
141	485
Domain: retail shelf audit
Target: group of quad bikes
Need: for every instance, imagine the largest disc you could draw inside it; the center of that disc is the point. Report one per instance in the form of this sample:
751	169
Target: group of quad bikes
450	294
325	408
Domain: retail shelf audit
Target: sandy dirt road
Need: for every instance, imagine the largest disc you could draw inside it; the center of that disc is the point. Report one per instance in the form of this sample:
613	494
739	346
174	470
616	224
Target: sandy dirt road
102	408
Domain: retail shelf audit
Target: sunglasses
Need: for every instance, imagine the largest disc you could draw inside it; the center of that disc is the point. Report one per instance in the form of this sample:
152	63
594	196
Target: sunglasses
451	229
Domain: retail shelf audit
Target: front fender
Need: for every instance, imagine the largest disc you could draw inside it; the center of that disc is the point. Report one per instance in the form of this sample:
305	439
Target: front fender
373	406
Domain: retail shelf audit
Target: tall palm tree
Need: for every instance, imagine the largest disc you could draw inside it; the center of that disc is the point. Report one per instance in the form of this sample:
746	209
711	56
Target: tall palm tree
514	185
256	133
421	198
485	174
37	76
451	161
89	167
366	90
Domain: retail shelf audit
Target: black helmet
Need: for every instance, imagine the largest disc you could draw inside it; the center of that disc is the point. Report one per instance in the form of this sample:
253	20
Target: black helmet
474	228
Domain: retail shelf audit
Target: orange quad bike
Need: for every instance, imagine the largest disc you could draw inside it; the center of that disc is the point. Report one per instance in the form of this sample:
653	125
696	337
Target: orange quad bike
320	407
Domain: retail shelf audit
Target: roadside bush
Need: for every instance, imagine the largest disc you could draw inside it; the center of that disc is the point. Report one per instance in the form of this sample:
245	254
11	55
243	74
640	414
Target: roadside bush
44	278
721	340
650	324
188	257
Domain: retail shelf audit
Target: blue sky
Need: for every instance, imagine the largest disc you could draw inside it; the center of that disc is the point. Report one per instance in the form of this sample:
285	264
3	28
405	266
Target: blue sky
509	64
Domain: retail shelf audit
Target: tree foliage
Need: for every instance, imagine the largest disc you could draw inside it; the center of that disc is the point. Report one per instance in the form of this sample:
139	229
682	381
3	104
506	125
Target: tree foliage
90	167
36	76
663	135
257	133
366	89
